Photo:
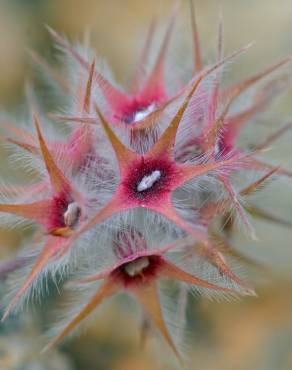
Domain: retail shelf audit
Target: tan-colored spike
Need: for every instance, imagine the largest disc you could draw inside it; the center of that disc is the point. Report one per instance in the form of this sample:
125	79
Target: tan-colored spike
105	85
216	259
147	296
243	85
157	71
258	183
220	41
192	171
167	210
224	246
28	147
274	136
50	71
14	190
259	213
88	92
25	136
125	156
107	289
238	121
218	124
233	199
75	119
139	73
166	142
47	253
214	133
115	205
261	99
57	178
173	272
36	211
196	40
258	164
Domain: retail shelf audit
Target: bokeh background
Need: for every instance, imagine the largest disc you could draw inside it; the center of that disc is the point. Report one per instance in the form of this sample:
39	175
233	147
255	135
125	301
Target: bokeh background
250	334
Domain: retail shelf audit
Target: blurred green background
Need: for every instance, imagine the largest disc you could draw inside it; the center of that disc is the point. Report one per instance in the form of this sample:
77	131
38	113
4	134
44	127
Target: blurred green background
251	334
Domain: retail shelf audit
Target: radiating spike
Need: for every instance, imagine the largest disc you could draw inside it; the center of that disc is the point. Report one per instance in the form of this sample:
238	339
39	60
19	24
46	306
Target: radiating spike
76	119
224	246
168	211
238	207
217	126
196	41
36	211
243	85
237	122
88	92
156	79
115	205
166	142
47	253
21	144
264	215
220	39
217	259
192	171
124	155
173	272
258	183
50	71
27	191
25	136
57	178
148	297
113	96
139	73
107	289
274	136
260	165
209	130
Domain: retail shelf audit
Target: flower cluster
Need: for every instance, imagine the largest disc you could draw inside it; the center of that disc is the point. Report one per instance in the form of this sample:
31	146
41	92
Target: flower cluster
144	188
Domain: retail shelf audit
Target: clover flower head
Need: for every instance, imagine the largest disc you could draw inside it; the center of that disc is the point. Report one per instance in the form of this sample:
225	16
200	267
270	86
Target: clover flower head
133	195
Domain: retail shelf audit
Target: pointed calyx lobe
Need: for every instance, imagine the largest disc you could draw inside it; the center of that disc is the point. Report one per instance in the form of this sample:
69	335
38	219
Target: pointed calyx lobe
148	180
147	98
138	271
58	214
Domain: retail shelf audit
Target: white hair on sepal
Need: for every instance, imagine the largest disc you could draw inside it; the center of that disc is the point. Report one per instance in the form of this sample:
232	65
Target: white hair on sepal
170	300
22	159
194	116
195	264
100	242
244	226
50	91
75	299
54	271
144	220
13	222
17	193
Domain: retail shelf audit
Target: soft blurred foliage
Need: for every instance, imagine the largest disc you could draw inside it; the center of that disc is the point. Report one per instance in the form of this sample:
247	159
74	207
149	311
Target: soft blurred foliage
251	334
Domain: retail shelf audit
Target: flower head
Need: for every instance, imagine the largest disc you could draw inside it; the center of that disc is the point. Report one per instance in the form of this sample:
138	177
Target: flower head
134	193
